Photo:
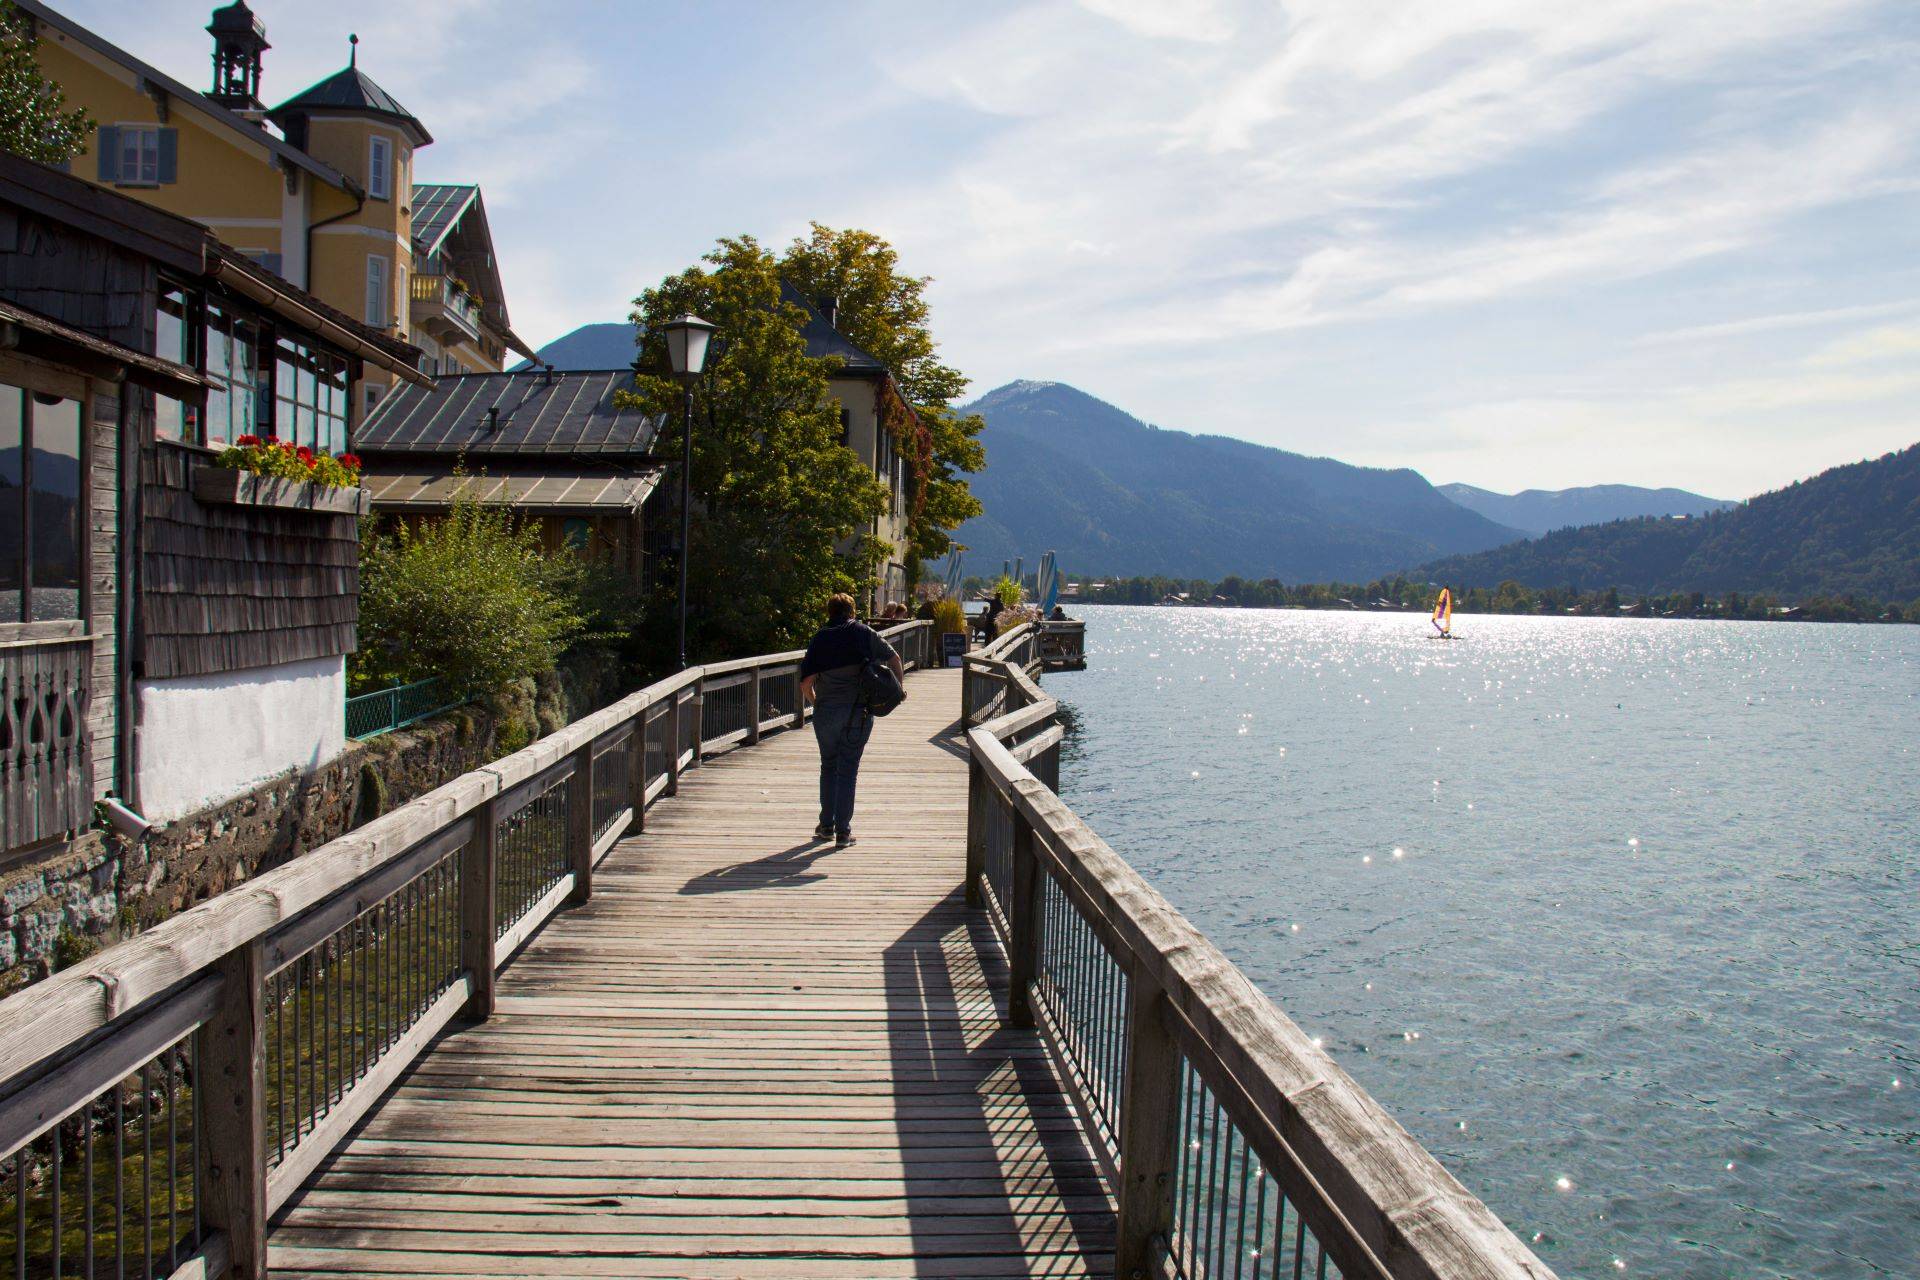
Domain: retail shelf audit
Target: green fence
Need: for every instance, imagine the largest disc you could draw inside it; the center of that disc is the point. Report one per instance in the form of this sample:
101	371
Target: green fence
384	710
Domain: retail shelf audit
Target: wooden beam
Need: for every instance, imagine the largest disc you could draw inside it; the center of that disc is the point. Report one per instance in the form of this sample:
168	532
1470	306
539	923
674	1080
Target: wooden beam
231	1059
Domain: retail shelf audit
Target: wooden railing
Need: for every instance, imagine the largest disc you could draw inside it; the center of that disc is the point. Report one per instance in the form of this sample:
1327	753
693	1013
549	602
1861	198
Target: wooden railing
46	767
159	1101
1232	1145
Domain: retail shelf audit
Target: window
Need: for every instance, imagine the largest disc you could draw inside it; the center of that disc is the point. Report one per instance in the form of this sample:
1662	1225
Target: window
310	397
400	289
380	167
173	339
377	296
40	487
138	155
234	376
372	393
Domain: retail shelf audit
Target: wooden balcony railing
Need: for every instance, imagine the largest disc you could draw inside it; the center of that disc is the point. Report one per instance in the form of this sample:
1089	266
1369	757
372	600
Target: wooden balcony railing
46	765
160	1100
1231	1144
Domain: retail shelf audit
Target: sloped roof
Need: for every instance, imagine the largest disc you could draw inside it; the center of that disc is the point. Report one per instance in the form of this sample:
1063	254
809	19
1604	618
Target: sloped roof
540	413
825	340
349	91
437	207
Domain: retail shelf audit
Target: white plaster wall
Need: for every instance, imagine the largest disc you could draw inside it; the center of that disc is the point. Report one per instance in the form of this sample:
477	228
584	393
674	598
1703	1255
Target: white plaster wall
205	739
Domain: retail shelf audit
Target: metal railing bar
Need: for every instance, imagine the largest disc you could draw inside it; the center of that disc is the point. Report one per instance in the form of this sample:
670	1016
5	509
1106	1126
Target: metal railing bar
288	942
70	1084
319	1141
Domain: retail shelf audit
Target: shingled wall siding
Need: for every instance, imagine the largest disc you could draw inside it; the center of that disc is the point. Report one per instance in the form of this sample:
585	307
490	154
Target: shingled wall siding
227	588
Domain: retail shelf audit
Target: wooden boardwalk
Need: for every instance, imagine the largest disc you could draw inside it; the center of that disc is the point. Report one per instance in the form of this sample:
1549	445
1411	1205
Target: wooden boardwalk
748	1055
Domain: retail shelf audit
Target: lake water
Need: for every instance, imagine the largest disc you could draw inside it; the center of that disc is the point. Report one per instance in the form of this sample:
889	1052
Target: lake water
1629	904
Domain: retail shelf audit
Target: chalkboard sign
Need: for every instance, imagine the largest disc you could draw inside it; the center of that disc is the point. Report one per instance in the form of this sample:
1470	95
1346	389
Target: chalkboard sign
953	648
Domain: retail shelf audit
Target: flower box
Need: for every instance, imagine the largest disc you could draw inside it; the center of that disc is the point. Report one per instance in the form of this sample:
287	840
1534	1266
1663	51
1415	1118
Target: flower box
245	489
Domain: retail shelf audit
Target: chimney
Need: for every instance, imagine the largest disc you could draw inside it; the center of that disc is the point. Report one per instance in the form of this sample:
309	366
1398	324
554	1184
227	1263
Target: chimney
829	307
493	418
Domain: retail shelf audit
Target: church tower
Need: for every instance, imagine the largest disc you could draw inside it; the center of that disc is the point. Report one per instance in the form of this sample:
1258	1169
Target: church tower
239	40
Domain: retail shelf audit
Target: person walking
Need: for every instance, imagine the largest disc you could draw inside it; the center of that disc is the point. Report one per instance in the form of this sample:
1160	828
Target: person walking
830	678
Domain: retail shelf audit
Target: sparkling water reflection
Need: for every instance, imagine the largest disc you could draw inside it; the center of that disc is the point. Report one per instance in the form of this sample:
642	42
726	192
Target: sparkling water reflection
1619	917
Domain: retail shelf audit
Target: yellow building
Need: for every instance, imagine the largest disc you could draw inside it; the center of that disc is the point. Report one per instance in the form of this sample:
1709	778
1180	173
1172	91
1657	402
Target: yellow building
319	189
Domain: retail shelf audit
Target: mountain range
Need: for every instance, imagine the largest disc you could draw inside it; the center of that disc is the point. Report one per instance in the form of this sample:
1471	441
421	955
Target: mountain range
1538	511
1851	529
1112	495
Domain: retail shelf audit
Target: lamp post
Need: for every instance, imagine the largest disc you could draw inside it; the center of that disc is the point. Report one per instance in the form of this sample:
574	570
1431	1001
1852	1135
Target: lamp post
686	338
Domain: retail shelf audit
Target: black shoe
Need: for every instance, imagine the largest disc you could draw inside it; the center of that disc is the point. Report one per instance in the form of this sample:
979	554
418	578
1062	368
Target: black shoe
844	840
823	832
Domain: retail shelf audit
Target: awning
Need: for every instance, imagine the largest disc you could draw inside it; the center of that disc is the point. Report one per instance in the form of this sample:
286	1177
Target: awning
435	490
42	335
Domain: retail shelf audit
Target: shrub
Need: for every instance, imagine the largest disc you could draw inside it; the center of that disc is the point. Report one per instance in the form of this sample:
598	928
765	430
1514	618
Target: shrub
948	615
1007	592
470	599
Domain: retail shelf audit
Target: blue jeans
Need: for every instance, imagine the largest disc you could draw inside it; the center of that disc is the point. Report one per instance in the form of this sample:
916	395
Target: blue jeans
842	729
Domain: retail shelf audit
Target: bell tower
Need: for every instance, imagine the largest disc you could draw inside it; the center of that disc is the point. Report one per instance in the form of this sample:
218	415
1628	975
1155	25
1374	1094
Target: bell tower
239	40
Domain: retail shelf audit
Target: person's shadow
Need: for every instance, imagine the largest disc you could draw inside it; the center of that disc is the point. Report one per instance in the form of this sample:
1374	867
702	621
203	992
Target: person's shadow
781	870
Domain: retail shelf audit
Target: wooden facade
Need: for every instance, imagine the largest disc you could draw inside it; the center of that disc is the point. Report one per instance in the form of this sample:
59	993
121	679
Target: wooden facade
161	584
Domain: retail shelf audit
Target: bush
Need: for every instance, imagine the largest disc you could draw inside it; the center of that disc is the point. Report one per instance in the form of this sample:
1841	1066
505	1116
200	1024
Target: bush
470	599
1007	592
948	615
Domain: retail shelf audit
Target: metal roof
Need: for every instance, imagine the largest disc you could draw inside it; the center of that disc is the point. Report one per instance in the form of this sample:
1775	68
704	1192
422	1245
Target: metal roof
539	412
825	340
437	207
349	90
574	491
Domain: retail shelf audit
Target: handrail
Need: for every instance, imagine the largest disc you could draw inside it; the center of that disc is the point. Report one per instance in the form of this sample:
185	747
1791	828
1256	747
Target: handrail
265	1021
1218	1117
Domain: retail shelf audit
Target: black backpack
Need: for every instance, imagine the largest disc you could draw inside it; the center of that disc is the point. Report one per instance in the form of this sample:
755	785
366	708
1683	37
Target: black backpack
880	690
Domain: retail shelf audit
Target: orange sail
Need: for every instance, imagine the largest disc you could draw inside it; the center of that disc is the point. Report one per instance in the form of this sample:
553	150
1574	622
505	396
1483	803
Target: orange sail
1443	613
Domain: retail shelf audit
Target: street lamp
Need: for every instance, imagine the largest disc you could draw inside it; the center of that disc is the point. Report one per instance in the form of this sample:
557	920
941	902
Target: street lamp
687	338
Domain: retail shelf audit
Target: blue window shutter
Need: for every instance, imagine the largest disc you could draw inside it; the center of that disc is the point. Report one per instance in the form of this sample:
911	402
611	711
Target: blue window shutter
106	141
169	155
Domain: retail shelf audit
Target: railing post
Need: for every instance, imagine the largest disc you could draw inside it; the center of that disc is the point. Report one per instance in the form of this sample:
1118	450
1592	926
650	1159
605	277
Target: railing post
753	707
697	708
637	770
976	828
1149	1106
231	1061
1024	924
674	712
479	888
580	824
799	703
966	695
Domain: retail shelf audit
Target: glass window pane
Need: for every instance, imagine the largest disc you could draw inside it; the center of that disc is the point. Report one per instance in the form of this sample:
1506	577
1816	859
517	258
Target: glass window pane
56	508
282	427
12	504
219	415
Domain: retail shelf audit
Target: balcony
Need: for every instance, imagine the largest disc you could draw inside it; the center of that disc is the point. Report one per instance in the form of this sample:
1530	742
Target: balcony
442	307
46	767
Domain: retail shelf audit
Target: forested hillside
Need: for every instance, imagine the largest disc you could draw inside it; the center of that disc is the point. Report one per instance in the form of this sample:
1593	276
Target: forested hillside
1852	529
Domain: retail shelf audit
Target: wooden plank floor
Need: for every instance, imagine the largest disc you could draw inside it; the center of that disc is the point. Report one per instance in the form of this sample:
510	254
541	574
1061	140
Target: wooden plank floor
748	1055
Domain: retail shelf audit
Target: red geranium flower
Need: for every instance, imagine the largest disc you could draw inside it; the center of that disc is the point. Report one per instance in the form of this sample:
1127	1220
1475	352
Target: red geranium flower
304	454
245	441
349	460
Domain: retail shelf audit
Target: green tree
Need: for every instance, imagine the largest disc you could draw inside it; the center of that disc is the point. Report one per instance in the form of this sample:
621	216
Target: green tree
886	315
471	599
778	501
34	119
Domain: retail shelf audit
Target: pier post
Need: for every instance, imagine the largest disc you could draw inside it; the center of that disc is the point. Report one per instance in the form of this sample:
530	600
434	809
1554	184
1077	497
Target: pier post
976	829
1149	1109
230	1061
1024	924
479	887
580	824
753	707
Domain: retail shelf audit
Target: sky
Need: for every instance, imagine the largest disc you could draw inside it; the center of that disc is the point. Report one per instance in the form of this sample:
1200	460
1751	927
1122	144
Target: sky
1516	243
